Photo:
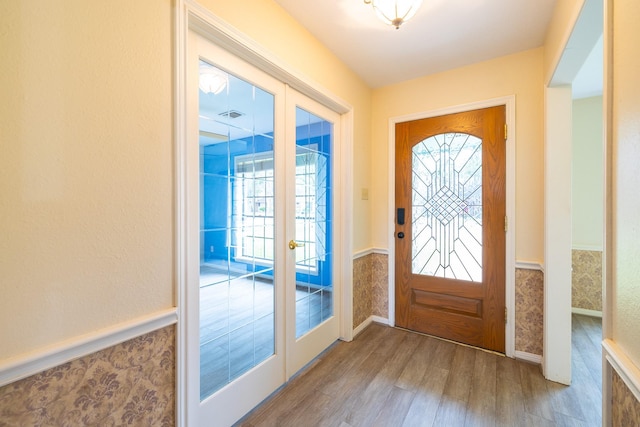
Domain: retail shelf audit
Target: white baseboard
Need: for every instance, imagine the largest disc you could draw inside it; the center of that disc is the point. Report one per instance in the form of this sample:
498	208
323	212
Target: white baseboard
381	320
585	312
362	326
25	365
625	368
528	357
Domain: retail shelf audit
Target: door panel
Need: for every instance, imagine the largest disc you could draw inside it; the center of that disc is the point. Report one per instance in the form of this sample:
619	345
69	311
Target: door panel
236	294
450	245
314	284
314	289
237	223
259	173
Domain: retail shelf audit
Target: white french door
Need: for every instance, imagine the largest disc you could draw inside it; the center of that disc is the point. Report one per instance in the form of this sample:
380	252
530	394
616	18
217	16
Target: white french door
261	285
312	157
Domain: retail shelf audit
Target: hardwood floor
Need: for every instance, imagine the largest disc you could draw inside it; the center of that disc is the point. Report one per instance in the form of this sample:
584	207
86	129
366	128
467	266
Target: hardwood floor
237	323
392	377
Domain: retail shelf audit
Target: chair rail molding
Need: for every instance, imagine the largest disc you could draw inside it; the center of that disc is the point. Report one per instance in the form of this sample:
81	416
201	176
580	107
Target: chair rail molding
25	365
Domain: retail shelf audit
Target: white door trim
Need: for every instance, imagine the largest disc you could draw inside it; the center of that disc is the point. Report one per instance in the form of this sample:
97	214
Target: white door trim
556	361
510	294
191	16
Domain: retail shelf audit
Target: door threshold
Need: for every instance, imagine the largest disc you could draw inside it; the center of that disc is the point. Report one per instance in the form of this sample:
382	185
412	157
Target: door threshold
497	353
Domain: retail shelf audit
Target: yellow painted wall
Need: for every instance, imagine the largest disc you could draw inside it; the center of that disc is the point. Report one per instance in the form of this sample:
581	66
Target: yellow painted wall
86	157
587	190
520	75
626	179
85	167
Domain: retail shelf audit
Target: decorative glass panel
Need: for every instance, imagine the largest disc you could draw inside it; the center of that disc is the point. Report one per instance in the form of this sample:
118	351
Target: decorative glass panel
447	207
314	286
237	299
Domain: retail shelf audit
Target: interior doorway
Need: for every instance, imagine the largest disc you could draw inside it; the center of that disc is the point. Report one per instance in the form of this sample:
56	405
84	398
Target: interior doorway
261	234
573	215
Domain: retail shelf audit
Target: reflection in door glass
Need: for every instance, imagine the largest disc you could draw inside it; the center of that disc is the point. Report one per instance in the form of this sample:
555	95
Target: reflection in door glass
314	285
447	207
236	227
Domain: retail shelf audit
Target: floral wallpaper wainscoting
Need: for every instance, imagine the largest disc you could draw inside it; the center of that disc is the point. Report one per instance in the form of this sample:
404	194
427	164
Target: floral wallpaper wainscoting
529	310
586	280
361	290
625	409
132	383
380	272
370	287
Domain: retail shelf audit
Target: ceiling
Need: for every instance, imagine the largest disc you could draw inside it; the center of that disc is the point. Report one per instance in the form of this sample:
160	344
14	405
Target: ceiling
443	35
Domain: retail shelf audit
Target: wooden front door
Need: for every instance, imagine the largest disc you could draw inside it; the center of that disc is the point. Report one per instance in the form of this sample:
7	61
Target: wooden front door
450	227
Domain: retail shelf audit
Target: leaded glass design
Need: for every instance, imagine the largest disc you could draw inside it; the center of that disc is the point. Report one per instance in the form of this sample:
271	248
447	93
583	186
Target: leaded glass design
314	284
237	228
447	207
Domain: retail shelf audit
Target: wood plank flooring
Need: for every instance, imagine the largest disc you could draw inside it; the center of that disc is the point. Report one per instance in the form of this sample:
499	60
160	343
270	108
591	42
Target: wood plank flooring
237	329
392	377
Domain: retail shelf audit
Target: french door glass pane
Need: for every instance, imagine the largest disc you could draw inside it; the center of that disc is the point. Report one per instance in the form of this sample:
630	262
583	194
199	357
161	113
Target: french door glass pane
447	207
236	122
314	286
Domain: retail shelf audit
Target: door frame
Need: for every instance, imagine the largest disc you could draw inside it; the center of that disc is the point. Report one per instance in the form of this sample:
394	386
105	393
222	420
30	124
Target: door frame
191	16
510	259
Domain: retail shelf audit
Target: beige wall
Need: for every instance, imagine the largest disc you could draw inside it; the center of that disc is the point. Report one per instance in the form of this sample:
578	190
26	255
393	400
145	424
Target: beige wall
86	159
587	174
85	167
626	180
520	75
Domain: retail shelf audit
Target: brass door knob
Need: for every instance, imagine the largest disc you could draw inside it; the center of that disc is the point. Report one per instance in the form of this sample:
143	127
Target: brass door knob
293	244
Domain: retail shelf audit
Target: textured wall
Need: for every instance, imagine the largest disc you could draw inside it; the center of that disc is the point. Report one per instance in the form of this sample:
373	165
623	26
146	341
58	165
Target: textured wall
132	383
86	167
529	310
625	408
370	287
362	290
380	272
586	280
625	203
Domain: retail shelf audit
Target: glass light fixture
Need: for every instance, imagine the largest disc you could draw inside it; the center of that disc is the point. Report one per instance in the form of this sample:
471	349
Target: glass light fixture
395	12
212	80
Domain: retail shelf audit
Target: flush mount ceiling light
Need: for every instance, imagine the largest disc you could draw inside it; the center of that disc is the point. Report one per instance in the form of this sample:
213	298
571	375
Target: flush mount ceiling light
395	12
212	80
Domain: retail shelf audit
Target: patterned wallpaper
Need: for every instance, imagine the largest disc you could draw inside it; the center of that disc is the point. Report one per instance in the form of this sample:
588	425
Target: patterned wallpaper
370	287
529	310
625	408
586	279
132	383
362	290
380	271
